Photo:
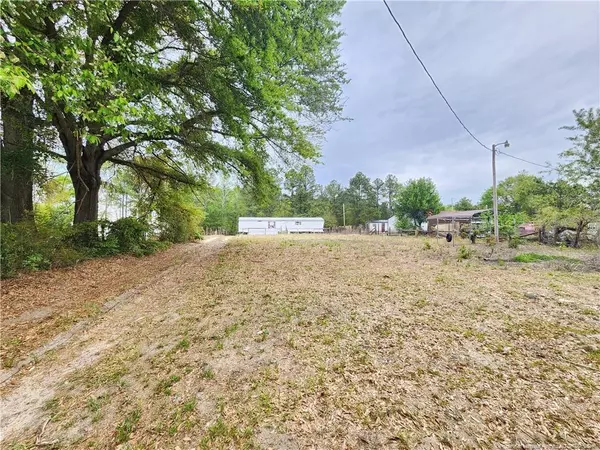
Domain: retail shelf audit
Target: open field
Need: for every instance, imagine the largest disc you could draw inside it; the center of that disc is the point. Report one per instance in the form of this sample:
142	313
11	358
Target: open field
329	342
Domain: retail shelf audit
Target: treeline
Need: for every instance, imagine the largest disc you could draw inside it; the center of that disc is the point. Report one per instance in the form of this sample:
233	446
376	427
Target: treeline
298	194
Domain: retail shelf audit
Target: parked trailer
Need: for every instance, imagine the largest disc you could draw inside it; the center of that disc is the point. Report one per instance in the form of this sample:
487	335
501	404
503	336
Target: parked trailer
274	225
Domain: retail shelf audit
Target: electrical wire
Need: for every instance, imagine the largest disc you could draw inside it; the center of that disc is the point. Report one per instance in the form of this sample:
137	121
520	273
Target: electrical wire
431	78
546	166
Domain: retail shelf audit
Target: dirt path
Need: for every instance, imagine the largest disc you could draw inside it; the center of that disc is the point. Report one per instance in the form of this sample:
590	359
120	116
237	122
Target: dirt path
154	301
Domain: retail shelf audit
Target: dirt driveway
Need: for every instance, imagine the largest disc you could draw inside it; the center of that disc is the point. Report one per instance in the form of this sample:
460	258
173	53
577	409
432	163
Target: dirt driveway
27	388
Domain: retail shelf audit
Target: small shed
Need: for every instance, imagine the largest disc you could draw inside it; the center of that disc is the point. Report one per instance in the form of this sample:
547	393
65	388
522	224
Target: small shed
274	225
451	221
382	226
377	226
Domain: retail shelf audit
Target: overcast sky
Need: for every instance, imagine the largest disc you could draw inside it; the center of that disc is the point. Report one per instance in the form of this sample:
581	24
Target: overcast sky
512	70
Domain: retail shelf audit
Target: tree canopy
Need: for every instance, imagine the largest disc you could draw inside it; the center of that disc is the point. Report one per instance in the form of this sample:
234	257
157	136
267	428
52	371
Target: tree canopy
417	199
155	86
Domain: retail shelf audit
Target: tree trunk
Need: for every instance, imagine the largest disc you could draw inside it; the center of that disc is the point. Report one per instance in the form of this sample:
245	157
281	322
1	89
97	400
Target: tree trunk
580	226
86	182
17	157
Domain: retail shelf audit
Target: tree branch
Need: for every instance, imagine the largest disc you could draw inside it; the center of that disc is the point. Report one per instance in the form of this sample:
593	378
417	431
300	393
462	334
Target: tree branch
114	151
125	11
181	178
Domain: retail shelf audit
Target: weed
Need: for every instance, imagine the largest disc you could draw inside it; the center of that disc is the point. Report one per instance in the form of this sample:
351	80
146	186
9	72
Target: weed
183	344
189	406
208	373
421	303
514	242
537	257
222	433
427	245
164	386
479	335
125	428
94	404
230	329
464	253
593	354
589	312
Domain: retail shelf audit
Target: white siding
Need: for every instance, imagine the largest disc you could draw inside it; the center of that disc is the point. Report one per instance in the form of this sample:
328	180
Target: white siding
274	225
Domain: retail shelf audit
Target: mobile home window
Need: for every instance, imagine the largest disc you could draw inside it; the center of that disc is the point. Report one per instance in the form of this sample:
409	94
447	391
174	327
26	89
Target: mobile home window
298	222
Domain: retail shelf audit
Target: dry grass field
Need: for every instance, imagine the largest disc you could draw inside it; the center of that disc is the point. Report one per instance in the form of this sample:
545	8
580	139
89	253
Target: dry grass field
329	342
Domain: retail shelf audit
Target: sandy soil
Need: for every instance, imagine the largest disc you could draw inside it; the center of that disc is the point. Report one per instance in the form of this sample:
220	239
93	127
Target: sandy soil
328	342
153	301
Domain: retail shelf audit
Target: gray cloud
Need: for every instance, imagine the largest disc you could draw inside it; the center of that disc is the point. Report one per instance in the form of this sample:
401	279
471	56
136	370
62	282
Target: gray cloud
511	70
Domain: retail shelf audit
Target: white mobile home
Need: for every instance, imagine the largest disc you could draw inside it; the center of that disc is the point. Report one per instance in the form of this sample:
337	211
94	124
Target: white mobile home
274	225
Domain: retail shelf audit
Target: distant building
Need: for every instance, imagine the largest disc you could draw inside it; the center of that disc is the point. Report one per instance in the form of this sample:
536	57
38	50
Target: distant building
451	221
275	225
382	226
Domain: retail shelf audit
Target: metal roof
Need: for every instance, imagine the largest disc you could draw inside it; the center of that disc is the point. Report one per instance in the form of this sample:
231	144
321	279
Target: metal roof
271	219
457	214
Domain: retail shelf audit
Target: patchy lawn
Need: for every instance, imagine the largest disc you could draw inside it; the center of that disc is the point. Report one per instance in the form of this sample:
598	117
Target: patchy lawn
37	306
297	342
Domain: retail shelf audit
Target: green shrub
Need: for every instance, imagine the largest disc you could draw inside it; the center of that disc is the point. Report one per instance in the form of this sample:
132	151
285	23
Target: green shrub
23	247
66	255
8	251
178	223
36	261
464	253
83	235
427	245
129	234
514	242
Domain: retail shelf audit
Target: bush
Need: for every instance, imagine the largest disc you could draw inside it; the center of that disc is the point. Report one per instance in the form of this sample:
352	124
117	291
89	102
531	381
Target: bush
8	254
129	234
464	253
514	242
83	235
178	223
23	247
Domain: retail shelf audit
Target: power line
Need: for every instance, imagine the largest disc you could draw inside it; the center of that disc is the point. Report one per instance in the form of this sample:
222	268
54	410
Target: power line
431	78
546	166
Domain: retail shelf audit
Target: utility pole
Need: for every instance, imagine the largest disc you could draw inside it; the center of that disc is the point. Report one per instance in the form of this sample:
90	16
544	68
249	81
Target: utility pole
495	195
494	190
344	212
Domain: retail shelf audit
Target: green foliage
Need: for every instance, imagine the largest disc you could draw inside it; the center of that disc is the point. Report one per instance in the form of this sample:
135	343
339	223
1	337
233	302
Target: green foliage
227	86
127	426
301	186
517	194
36	261
178	219
536	257
582	164
464	253
26	246
417	199
403	223
464	204
514	242
129	234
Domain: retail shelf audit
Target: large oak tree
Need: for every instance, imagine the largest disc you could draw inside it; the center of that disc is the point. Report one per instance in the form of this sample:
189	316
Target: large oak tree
161	86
